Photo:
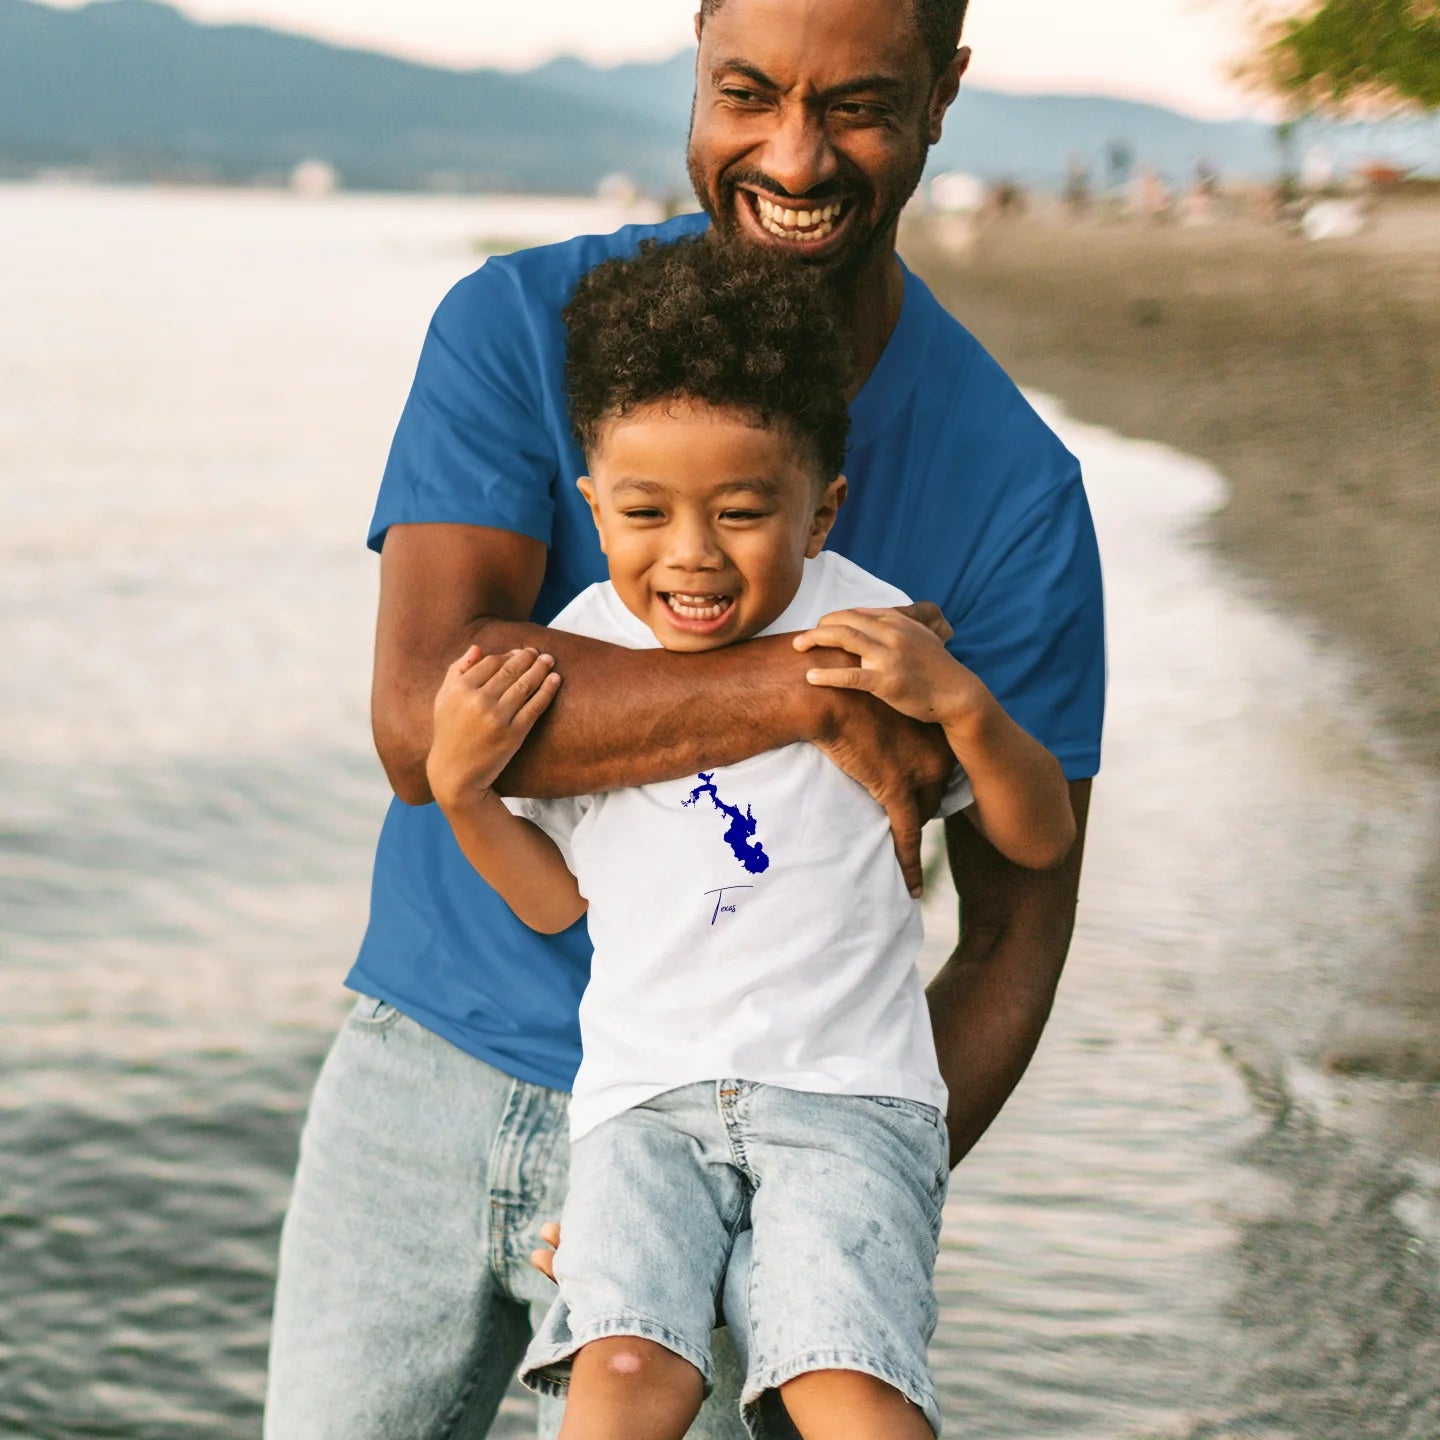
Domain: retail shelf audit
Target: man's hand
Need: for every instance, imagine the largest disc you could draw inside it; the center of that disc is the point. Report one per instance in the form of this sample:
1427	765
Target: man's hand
543	1259
485	707
903	764
929	616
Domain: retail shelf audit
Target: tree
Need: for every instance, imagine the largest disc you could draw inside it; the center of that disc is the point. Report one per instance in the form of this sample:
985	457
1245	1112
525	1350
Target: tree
1355	54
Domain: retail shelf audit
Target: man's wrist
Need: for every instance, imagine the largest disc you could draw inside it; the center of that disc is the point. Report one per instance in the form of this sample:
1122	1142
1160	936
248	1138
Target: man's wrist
819	714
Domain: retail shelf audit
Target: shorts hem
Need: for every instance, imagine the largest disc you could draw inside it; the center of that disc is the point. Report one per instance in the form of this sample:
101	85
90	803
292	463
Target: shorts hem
539	1371
919	1390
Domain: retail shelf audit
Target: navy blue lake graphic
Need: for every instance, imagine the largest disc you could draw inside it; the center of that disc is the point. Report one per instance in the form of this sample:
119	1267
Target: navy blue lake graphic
740	833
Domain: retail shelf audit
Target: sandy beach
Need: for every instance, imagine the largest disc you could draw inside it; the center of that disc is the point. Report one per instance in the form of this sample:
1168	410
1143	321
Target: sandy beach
1308	374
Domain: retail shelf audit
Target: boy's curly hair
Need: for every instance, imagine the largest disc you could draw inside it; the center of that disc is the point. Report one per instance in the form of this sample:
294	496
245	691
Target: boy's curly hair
697	319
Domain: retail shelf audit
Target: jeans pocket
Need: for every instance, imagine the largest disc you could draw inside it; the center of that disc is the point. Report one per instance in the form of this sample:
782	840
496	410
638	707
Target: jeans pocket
372	1016
935	1148
918	1108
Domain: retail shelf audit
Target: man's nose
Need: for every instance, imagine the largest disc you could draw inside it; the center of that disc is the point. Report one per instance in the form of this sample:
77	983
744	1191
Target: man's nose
798	154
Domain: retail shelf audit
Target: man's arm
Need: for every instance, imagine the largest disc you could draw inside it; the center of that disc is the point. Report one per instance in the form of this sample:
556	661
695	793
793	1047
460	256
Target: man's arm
990	1002
623	717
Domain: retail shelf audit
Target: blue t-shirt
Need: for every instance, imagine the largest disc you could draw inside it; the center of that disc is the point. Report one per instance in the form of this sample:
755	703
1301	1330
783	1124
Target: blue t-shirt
959	494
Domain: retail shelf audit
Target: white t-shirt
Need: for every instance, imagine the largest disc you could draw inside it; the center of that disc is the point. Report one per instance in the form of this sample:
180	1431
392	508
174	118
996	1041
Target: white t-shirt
749	922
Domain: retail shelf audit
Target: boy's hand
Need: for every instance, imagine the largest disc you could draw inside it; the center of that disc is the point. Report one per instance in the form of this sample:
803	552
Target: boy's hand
485	708
903	662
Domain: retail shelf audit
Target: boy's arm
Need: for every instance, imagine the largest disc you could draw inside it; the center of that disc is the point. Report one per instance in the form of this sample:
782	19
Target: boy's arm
1022	805
519	861
485	707
626	717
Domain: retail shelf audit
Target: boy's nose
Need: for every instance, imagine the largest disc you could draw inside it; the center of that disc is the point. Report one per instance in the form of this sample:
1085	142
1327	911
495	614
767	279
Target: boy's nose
694	547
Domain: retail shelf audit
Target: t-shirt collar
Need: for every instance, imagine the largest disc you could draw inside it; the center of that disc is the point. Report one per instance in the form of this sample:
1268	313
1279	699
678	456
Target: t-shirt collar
899	367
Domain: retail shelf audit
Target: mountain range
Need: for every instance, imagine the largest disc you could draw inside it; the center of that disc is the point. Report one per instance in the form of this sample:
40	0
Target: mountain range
134	89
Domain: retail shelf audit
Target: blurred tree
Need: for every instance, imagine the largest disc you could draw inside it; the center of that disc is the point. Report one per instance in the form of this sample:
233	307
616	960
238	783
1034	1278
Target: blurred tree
1353	54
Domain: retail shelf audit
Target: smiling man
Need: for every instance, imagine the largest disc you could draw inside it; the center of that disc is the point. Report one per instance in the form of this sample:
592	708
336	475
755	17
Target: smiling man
435	1142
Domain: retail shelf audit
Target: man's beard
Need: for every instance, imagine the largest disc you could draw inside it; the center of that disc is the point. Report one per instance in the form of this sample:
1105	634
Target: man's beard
844	267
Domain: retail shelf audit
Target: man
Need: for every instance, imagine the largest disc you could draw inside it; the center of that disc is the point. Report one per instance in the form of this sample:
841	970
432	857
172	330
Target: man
435	1145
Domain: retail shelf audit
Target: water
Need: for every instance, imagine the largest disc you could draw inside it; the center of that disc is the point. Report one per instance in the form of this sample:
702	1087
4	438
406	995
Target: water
1178	1229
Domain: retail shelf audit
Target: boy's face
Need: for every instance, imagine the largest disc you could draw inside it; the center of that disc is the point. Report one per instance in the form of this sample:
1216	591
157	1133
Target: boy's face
706	519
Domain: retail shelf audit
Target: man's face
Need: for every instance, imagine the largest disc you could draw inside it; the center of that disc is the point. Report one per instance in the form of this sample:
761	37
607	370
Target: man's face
706	518
811	123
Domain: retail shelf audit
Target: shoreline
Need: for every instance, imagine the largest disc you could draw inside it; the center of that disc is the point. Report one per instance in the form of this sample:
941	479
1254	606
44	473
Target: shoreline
1308	375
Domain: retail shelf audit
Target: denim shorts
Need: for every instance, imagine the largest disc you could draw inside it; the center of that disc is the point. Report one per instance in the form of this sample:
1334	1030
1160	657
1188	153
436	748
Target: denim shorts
830	1205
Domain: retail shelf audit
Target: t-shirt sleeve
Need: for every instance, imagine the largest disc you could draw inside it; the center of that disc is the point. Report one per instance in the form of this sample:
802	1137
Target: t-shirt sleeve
557	818
958	794
1035	628
472	446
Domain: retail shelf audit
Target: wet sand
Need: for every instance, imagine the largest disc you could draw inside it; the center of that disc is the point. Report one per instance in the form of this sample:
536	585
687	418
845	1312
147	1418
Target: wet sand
1308	374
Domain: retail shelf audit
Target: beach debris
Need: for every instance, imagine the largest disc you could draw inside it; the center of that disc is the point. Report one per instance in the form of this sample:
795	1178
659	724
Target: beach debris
1332	219
956	201
956	193
314	179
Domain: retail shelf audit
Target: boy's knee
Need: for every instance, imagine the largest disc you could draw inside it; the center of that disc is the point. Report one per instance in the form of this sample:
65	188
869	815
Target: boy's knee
626	1359
634	1360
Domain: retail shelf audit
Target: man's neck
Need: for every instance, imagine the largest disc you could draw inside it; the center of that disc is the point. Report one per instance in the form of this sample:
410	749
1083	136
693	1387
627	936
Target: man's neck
872	309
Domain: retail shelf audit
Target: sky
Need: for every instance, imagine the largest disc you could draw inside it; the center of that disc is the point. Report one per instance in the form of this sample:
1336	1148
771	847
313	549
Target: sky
1175	52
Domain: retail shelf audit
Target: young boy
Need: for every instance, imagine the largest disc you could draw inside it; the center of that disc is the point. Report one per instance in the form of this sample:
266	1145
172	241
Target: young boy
757	1051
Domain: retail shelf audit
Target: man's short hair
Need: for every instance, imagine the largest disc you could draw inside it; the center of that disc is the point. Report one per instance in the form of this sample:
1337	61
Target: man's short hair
727	325
938	21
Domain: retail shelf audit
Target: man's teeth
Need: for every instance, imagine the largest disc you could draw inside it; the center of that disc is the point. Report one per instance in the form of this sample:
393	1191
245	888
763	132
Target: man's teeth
788	224
698	607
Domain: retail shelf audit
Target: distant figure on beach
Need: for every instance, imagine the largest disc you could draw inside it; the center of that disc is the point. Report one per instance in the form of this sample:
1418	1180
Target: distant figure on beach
1150	198
1077	186
1119	162
434	1147
732	455
740	833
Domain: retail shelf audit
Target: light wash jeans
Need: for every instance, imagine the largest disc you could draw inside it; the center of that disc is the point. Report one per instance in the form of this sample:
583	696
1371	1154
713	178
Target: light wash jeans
406	1296
833	1201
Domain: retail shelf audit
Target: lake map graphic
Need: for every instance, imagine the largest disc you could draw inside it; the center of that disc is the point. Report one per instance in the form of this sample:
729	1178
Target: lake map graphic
740	833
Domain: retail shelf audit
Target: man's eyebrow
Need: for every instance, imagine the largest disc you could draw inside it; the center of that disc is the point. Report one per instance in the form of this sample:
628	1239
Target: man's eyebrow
751	72
643	487
865	85
878	83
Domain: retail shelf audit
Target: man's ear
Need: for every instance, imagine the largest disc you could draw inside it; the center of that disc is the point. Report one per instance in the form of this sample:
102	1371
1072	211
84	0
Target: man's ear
825	513
699	22
946	88
586	486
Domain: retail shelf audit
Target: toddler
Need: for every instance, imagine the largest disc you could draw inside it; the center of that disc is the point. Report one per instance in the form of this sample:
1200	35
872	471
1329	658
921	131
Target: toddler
758	1063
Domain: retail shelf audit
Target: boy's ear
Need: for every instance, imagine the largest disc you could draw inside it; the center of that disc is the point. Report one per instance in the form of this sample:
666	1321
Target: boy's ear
825	513
586	486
